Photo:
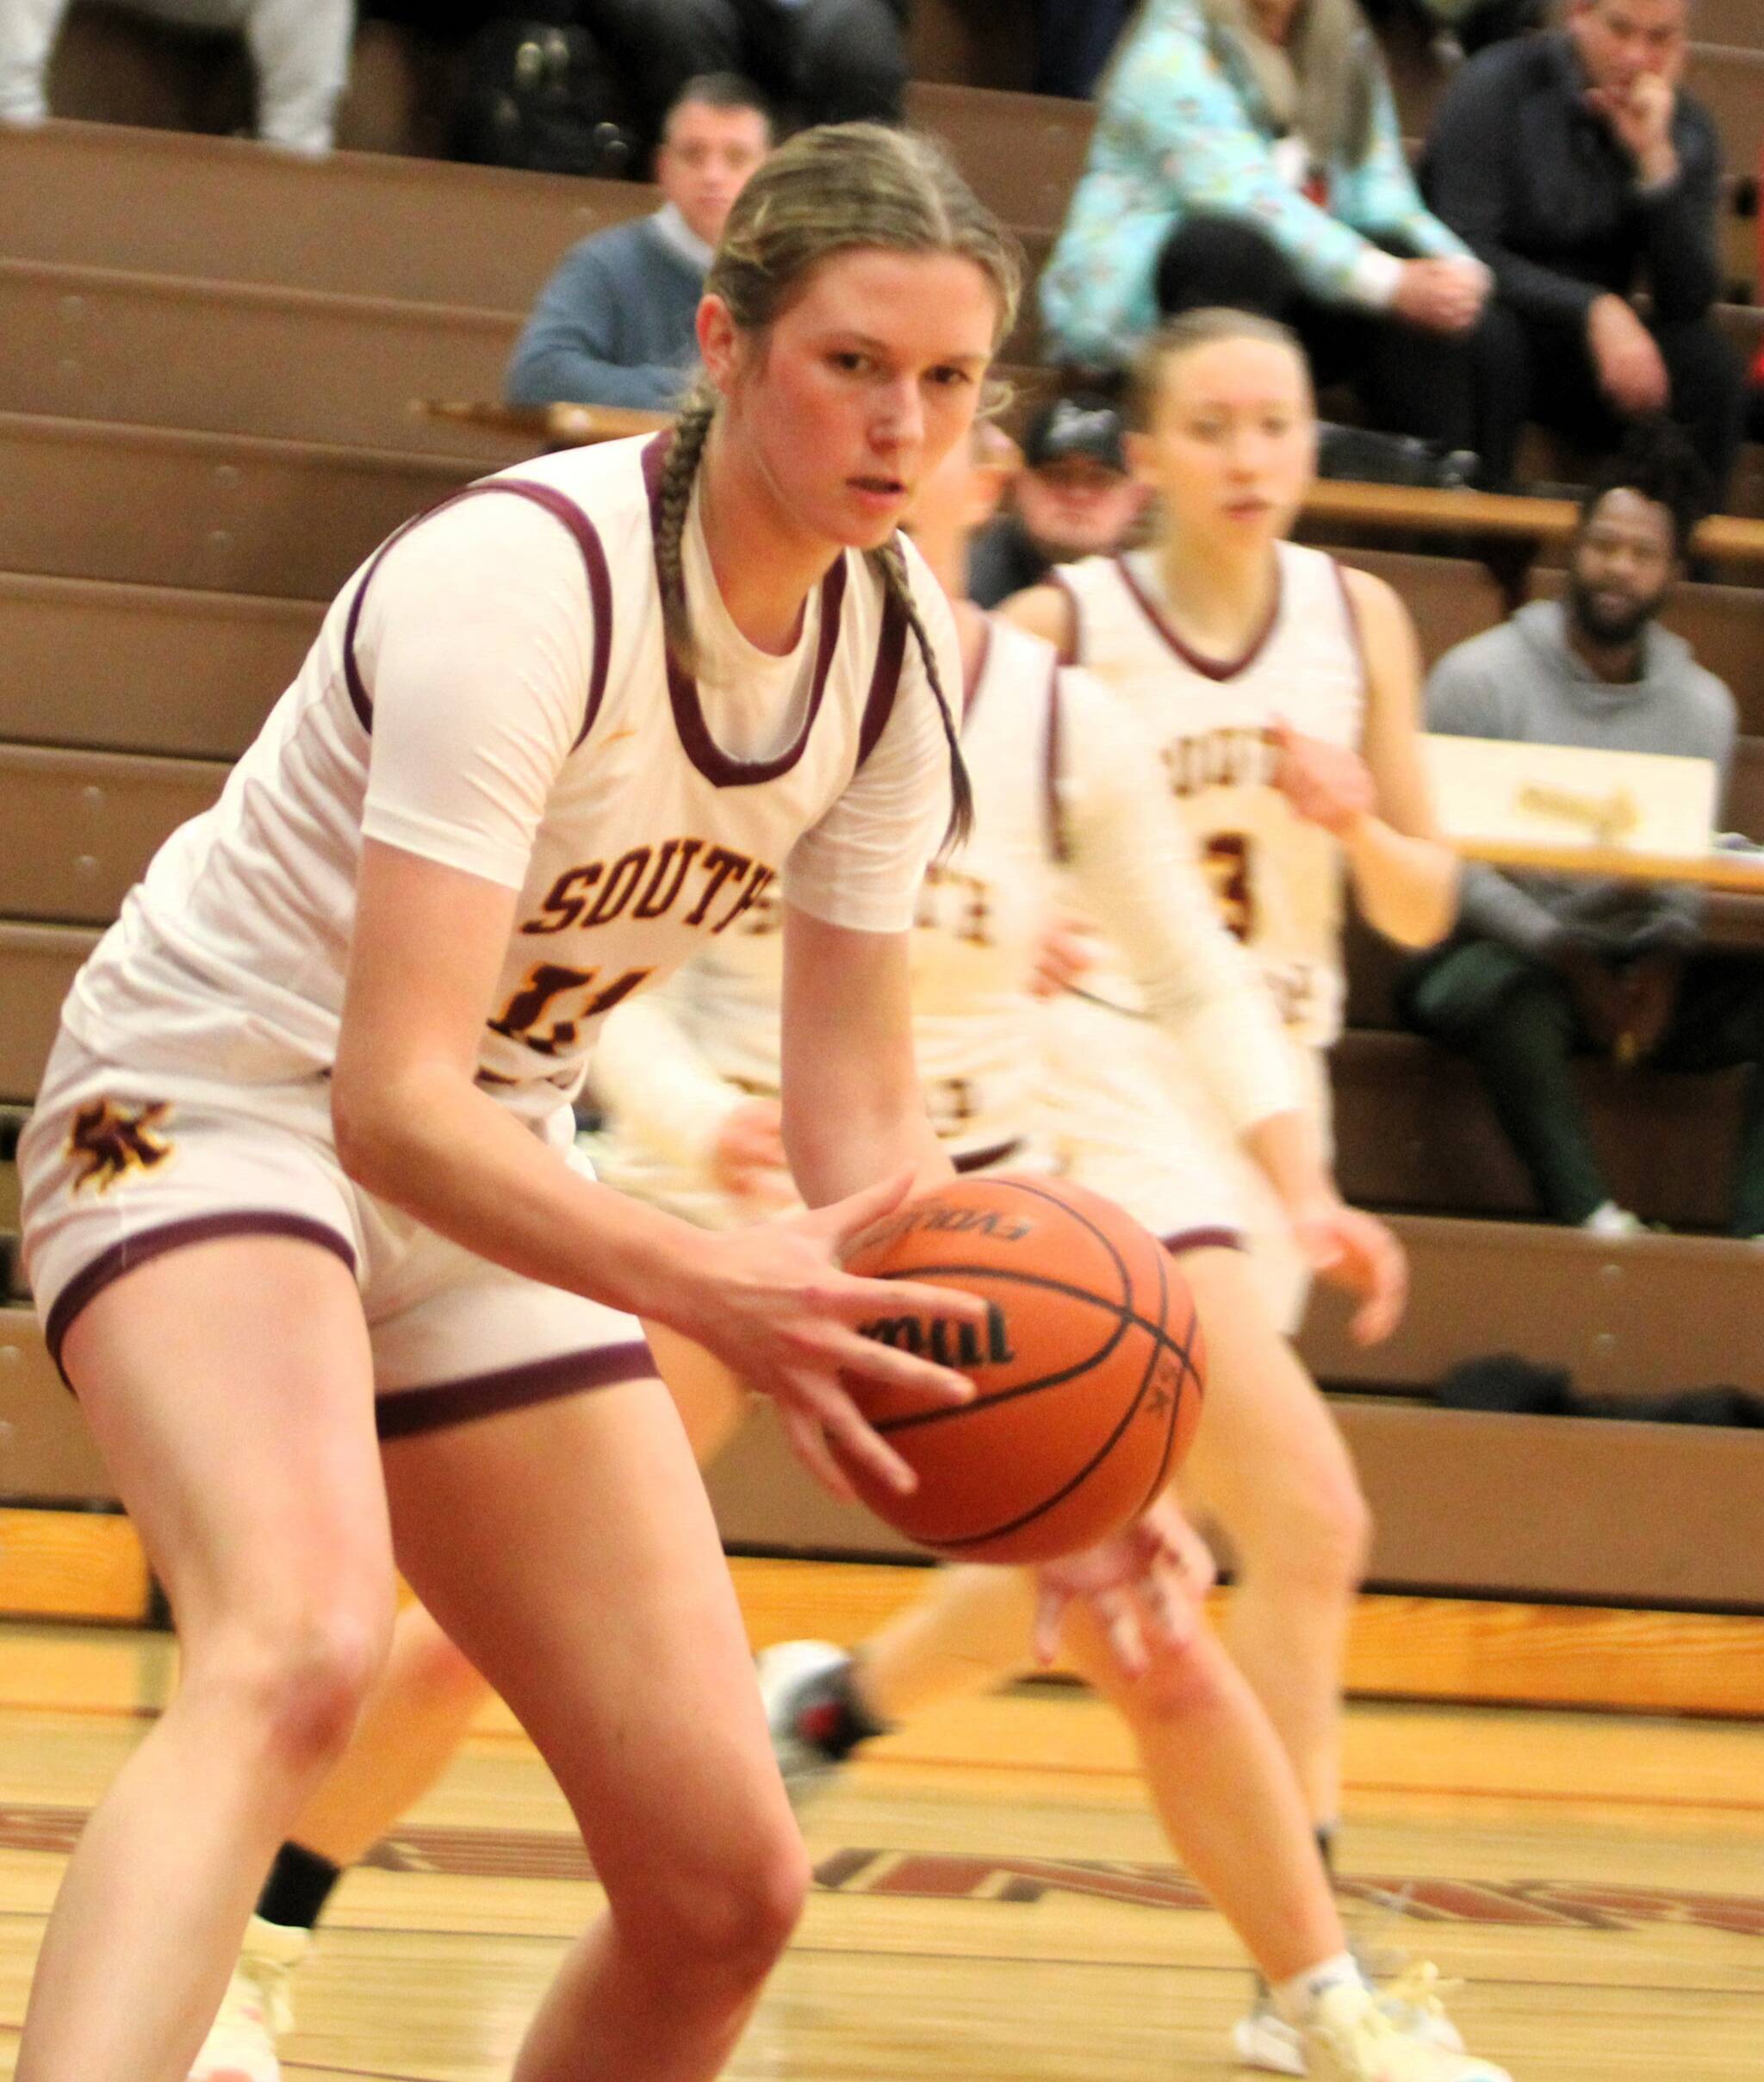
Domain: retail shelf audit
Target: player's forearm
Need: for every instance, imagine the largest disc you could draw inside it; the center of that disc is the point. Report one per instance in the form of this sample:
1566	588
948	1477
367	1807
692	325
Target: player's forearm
1288	1148
840	1140
1407	887
440	1150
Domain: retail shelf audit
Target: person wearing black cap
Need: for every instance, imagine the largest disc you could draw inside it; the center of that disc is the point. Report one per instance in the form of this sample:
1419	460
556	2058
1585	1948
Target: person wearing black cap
1075	496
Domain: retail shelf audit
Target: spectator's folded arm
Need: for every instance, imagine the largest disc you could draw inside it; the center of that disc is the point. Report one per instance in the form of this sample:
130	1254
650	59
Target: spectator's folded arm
1678	231
568	352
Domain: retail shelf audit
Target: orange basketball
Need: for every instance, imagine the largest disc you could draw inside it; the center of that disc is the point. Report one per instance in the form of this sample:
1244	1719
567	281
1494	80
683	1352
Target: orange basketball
1087	1372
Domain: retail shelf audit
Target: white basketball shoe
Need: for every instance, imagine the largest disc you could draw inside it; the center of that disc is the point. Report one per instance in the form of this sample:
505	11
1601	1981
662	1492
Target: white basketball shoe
256	2009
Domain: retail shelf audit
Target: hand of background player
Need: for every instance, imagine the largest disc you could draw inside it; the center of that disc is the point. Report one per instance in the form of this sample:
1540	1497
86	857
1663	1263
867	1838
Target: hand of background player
773	1304
1358	1251
1325	784
1065	954
1143	1589
747	1158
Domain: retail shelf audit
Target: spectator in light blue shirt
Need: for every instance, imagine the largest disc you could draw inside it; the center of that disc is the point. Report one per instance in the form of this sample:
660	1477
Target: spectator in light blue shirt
615	324
1246	153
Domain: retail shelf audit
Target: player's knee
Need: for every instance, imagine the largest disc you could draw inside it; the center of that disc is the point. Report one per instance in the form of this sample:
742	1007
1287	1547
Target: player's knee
1177	1685
1317	1530
297	1678
1332	1529
727	1920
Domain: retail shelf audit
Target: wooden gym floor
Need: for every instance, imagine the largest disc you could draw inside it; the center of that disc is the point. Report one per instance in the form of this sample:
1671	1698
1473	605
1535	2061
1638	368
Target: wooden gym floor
994	1904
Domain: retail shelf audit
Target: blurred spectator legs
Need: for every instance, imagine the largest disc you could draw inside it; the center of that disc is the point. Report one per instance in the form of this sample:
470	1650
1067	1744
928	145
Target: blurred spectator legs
1073	41
1515	1021
1408	380
823	60
300	50
1528	371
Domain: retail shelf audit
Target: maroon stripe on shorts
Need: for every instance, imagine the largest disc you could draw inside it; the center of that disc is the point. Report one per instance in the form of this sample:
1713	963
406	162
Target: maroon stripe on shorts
1202	1240
408	1411
109	1265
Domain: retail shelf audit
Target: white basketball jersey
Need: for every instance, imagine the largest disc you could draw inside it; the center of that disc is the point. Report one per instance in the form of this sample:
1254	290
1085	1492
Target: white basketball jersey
975	1033
652	839
1276	878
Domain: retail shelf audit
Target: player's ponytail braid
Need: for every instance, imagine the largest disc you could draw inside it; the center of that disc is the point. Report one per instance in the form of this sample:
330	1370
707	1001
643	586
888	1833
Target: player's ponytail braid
840	189
685	452
891	564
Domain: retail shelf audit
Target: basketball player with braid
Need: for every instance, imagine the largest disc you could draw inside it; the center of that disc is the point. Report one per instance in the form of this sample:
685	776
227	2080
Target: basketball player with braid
1280	691
549	740
693	1071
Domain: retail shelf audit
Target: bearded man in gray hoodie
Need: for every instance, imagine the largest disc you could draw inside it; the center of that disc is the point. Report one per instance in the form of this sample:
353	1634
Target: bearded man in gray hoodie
1543	969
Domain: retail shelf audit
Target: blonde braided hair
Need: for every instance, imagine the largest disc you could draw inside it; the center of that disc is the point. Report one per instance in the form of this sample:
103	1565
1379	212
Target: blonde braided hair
836	189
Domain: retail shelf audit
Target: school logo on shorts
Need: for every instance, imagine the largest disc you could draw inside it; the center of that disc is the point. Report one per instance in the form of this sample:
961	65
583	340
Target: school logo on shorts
109	1141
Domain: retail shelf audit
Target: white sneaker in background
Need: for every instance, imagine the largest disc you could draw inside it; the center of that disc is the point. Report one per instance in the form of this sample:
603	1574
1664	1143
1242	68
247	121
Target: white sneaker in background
1349	2037
256	2009
803	1686
1609	1219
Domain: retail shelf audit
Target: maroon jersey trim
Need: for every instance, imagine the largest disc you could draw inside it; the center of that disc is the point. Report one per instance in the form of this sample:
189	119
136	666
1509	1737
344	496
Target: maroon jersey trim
1072	642
1355	627
976	678
706	754
587	537
884	681
1053	765
1208	668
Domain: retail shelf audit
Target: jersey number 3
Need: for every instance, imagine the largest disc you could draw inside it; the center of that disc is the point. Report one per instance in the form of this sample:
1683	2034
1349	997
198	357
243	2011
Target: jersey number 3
1226	854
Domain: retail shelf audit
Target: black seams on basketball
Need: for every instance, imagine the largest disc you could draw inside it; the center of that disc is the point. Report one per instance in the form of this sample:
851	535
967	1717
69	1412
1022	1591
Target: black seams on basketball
1087	1370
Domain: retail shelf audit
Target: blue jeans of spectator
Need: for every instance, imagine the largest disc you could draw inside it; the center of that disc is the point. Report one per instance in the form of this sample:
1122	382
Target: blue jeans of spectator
1407	381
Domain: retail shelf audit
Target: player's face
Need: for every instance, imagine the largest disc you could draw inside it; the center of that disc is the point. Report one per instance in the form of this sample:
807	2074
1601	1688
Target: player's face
1618	40
704	161
1622	568
1234	441
863	385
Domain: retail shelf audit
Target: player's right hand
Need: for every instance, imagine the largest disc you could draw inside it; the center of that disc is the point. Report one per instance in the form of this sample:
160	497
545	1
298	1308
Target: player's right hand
773	1303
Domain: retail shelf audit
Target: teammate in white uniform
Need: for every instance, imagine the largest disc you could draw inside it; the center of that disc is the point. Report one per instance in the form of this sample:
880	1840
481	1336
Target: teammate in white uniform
305	1134
1280	694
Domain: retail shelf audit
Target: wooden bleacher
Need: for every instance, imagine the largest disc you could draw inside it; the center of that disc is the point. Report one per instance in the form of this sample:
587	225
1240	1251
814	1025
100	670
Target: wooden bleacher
164	547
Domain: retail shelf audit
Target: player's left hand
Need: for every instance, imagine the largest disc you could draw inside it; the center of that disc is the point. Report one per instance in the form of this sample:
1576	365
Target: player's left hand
1144	1589
1325	784
1356	1251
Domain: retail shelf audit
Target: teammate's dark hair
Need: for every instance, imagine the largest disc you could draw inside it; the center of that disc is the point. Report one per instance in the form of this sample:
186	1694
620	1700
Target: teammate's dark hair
836	190
719	91
1658	463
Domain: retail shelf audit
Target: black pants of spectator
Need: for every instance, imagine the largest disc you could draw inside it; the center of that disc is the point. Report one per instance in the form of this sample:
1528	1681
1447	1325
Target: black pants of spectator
1407	381
1073	41
1530	370
1515	1021
823	61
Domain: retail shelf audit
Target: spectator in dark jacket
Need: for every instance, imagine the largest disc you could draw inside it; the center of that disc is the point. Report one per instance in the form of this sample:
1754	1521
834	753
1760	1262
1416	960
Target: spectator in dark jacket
615	324
1575	166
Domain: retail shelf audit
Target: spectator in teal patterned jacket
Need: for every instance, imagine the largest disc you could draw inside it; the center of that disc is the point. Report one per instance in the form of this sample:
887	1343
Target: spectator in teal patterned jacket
1246	153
